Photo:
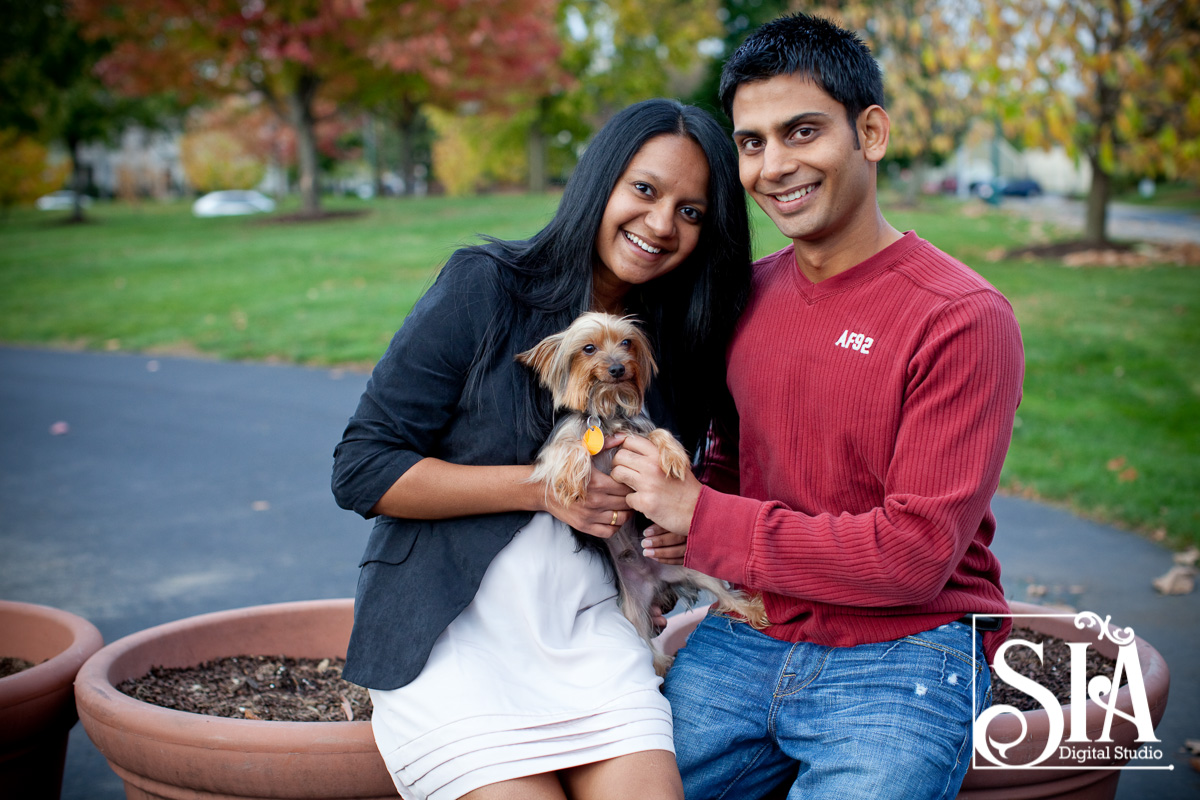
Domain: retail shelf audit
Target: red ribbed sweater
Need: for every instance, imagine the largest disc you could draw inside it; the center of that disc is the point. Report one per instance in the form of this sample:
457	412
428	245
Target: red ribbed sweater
875	411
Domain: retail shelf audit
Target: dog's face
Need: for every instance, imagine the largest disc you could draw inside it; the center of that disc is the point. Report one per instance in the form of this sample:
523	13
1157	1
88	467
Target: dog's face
599	364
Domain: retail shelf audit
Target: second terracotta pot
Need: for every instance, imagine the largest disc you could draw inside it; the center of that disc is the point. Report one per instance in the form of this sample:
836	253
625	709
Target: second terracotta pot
162	753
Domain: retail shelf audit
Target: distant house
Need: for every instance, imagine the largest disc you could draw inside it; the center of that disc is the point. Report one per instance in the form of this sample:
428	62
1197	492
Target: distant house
143	163
984	157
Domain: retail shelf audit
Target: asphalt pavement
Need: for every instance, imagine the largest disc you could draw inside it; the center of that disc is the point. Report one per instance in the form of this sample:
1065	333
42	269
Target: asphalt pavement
138	490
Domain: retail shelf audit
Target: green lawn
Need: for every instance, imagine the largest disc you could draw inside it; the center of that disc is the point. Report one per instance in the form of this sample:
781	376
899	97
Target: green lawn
1109	425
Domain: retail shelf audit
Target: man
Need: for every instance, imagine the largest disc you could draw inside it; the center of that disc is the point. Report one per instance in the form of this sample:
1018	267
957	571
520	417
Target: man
876	380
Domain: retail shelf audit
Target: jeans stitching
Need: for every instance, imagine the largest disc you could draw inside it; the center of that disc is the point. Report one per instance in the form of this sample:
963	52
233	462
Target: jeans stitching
808	681
963	657
744	771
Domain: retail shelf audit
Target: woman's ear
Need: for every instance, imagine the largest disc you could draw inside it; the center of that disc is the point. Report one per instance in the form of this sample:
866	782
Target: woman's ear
874	128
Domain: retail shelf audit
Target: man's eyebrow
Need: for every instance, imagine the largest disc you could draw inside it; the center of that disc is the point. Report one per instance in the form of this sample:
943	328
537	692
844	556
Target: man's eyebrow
803	116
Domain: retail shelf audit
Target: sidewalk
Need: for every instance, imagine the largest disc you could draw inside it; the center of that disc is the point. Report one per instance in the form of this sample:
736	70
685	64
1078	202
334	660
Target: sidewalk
186	486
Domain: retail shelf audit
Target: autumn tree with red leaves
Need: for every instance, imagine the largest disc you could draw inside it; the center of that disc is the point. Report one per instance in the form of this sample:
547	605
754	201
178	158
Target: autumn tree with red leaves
291	52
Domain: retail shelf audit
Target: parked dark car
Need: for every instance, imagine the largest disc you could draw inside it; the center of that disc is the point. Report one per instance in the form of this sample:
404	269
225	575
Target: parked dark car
1021	187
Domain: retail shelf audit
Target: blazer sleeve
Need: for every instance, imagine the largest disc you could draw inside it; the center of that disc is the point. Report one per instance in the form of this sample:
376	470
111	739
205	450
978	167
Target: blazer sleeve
416	387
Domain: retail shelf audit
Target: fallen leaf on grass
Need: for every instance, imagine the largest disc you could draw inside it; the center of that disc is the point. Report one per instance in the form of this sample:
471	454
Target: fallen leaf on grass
1127	475
1178	580
1115	464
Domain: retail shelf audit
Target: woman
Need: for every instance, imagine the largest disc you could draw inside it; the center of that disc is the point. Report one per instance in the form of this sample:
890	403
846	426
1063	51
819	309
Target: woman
499	663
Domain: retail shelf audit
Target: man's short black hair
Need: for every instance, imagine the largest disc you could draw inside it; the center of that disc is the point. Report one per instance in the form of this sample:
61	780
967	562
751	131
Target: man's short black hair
834	58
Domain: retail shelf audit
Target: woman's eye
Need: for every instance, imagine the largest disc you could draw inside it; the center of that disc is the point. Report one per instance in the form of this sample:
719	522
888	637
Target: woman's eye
643	188
693	214
589	349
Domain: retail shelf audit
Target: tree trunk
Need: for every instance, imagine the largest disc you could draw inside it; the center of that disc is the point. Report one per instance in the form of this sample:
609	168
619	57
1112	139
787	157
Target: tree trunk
373	140
407	123
538	150
1096	225
78	181
301	117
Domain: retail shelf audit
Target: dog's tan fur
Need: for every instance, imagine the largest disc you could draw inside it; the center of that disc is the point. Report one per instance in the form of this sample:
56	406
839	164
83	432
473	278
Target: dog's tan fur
599	367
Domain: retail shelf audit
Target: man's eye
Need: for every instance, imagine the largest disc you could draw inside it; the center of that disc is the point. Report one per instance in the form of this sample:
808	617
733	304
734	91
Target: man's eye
589	349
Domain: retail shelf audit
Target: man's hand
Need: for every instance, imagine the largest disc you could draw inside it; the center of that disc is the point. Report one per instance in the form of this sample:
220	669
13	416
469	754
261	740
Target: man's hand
668	502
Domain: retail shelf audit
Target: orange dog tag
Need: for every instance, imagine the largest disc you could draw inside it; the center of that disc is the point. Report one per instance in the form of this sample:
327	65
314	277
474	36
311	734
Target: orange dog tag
593	439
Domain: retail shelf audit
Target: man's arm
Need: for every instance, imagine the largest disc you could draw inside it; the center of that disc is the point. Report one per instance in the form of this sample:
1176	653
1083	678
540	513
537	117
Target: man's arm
954	433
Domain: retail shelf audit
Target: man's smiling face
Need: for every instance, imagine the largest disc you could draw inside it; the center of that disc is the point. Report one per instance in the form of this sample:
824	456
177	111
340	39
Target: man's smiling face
800	159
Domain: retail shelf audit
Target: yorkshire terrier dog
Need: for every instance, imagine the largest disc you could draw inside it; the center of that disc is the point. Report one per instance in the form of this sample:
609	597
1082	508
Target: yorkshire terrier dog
597	371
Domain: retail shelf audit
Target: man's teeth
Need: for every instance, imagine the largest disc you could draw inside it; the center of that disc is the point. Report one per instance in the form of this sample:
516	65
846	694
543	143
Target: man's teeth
640	242
796	195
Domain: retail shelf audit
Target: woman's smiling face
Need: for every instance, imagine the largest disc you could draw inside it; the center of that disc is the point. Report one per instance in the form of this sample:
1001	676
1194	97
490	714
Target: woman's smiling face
652	221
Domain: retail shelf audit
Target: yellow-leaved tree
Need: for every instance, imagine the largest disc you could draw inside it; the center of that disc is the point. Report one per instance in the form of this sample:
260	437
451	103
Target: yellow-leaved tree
1117	82
25	173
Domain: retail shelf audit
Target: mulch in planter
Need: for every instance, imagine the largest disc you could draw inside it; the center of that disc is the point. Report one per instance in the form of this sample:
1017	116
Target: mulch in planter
11	666
1054	672
309	690
256	687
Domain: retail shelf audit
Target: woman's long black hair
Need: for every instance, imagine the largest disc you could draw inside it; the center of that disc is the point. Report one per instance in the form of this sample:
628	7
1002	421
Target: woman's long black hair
689	313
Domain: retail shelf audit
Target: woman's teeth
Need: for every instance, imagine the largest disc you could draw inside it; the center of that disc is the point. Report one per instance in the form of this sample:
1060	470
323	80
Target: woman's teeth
640	242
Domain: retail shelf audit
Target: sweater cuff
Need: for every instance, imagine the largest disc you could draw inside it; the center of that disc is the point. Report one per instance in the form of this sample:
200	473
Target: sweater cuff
721	534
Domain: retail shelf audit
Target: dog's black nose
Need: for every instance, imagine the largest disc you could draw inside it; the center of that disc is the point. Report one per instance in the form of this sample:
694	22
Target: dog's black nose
617	370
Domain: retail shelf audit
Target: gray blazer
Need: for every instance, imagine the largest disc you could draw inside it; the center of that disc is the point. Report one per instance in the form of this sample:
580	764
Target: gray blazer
417	575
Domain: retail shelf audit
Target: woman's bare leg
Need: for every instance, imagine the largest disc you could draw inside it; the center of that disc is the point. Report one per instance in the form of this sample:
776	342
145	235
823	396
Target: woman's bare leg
533	787
648	775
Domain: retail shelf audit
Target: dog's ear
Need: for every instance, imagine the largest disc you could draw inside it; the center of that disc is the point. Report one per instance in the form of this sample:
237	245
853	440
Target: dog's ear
645	355
541	358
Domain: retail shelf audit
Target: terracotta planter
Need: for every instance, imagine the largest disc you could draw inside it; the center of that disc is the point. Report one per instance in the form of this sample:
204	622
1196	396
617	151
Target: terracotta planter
1098	782
37	706
161	753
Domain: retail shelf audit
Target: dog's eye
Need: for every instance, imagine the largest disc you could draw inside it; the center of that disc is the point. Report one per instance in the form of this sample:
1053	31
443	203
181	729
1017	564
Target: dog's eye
626	343
588	349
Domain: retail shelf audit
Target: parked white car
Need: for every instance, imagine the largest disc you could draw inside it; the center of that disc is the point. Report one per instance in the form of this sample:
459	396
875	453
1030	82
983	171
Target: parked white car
232	202
62	200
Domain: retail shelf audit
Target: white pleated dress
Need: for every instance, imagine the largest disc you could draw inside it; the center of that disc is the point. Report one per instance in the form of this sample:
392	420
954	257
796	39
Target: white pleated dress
540	673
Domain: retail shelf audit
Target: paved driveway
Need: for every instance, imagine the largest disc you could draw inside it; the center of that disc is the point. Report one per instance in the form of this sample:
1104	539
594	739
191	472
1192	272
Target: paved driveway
186	486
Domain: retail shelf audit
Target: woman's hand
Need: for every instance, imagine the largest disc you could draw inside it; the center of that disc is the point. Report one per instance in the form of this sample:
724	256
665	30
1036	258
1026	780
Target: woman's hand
604	510
663	546
601	513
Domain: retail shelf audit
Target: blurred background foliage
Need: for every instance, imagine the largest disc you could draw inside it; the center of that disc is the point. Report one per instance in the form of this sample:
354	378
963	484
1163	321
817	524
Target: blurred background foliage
468	96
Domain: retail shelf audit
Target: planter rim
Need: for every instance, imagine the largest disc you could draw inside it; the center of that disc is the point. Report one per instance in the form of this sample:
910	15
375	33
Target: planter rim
96	695
48	677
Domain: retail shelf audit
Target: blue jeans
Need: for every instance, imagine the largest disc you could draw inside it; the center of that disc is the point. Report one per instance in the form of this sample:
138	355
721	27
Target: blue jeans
874	721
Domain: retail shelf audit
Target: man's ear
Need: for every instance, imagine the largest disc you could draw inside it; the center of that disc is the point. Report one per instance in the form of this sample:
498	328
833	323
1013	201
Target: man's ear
874	128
